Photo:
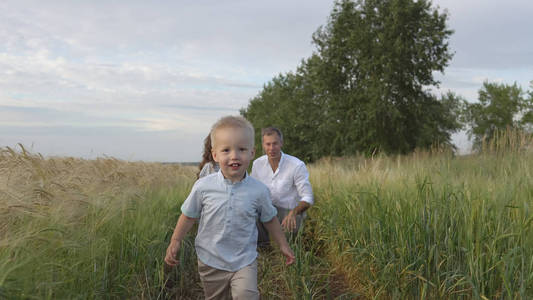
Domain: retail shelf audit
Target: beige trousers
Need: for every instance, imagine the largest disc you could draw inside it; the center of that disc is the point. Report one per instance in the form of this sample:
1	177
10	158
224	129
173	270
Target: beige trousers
219	284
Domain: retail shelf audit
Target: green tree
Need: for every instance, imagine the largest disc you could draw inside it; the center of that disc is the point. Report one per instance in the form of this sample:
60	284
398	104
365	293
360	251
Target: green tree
527	119
366	88
286	102
440	118
500	107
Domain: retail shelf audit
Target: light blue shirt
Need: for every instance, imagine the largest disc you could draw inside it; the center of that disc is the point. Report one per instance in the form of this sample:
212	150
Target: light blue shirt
227	232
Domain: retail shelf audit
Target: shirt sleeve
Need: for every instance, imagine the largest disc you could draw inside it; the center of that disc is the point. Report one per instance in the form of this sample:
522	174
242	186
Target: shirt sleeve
303	185
267	211
192	206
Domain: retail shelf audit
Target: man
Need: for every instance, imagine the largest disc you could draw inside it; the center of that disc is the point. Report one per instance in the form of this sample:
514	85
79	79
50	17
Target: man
288	181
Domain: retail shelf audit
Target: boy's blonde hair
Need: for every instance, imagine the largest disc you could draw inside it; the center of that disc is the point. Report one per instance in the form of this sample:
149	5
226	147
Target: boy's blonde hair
233	122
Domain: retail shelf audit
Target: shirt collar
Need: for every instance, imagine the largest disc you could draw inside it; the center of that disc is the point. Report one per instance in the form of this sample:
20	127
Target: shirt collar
281	159
226	181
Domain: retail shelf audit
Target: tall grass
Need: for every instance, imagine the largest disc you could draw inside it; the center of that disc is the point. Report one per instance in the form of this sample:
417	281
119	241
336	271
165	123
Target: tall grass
73	228
430	225
425	226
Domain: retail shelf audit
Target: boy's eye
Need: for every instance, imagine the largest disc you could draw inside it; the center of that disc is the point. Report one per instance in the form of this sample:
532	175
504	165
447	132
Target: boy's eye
225	150
243	149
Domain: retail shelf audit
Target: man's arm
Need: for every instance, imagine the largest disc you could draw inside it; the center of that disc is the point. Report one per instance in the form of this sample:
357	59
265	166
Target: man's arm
303	187
302	206
183	226
274	229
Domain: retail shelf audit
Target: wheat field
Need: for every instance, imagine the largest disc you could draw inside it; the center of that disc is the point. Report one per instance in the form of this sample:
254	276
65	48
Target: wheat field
429	225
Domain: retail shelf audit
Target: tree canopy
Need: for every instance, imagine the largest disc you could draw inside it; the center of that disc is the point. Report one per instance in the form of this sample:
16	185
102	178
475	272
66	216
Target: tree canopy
367	86
500	107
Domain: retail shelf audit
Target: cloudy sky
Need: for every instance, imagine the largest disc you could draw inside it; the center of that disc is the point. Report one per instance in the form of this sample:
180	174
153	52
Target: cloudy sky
144	80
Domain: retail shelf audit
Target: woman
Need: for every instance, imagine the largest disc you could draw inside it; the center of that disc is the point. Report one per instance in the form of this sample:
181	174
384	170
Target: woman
208	164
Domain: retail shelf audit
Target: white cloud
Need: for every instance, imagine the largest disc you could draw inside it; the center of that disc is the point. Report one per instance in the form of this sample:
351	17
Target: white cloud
165	71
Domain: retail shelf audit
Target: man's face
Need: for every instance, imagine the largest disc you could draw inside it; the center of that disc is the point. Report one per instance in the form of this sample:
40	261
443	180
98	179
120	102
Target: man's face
272	146
233	152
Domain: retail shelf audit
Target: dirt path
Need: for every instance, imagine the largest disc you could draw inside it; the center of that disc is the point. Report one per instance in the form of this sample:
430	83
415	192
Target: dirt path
311	277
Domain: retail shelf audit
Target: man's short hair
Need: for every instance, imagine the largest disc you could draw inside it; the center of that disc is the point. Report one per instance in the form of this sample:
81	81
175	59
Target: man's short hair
271	131
233	122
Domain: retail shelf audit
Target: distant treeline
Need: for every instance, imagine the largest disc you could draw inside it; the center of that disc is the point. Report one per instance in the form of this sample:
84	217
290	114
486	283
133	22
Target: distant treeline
366	87
194	163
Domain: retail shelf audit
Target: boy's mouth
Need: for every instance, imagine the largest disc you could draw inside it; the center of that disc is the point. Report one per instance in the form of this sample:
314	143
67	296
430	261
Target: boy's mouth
235	166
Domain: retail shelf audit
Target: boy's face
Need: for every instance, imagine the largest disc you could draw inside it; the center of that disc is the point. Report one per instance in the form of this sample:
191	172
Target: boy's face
272	146
233	152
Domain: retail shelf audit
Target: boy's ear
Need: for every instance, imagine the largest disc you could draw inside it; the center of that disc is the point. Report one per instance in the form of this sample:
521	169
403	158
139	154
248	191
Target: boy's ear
214	154
253	152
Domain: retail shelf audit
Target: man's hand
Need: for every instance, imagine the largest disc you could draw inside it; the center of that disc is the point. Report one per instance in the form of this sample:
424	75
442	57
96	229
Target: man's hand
289	255
289	222
172	253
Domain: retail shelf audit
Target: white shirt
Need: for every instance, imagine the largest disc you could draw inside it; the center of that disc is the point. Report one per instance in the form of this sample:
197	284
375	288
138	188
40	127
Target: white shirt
289	184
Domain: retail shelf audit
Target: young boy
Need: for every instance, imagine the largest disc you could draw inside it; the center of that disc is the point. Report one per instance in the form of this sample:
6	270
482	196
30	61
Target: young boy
227	204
